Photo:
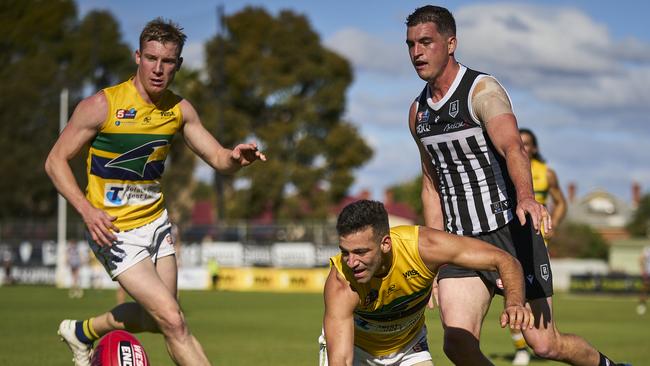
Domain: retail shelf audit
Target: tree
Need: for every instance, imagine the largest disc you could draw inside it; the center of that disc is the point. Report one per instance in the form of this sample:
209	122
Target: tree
45	48
277	84
577	241
178	182
639	225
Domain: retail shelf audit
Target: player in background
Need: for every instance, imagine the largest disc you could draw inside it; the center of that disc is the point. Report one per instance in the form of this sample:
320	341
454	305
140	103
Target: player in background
644	261
380	283
545	184
477	182
129	128
73	256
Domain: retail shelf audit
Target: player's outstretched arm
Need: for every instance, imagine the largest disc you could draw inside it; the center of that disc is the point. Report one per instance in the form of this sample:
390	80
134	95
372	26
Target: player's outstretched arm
438	247
81	129
338	322
224	160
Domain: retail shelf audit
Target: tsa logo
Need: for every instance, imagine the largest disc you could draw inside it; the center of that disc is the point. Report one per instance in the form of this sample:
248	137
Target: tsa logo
543	269
453	108
126	114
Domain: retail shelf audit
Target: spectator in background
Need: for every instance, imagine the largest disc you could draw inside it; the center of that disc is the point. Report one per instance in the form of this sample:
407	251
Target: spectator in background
73	257
213	269
644	261
7	258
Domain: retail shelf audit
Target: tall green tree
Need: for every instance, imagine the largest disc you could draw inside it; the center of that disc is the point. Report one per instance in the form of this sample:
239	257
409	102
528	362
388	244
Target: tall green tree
276	83
639	225
45	48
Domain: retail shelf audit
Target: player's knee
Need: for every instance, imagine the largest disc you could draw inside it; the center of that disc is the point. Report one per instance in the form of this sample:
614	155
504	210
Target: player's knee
172	323
545	348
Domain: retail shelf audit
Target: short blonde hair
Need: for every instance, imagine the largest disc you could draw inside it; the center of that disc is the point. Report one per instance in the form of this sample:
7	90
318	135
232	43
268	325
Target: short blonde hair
163	31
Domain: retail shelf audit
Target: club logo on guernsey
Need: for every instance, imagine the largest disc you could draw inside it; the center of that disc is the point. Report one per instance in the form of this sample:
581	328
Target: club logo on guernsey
543	269
453	108
136	160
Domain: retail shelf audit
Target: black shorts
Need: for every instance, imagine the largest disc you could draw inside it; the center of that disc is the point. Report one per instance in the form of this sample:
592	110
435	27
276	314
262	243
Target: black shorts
523	243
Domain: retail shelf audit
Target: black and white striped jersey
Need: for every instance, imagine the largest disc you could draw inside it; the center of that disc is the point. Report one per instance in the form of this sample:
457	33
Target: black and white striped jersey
476	192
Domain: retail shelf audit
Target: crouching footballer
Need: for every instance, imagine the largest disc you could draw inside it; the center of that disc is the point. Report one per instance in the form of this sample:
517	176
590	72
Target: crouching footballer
379	285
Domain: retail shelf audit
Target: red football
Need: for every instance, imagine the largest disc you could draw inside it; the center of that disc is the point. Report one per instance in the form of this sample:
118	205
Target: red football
119	348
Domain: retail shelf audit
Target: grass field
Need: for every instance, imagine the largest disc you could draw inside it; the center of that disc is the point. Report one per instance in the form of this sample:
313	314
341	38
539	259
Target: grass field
282	329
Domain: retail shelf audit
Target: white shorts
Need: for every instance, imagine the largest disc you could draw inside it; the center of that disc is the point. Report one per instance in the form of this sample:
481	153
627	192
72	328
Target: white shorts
153	240
415	352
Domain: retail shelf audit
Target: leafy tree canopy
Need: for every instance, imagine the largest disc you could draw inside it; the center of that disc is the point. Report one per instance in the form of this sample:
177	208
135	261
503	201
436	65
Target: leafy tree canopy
278	85
46	48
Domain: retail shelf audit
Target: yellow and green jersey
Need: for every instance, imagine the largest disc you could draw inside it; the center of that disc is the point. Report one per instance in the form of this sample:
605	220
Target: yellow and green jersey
539	171
390	312
126	159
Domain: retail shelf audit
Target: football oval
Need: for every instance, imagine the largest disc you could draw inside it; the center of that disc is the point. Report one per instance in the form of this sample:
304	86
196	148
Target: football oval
119	348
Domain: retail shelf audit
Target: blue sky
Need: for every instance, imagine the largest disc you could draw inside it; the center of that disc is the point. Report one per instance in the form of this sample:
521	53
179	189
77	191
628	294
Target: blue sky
578	73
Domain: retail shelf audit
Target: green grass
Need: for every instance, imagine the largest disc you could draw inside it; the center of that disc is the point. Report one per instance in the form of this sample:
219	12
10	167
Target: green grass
282	329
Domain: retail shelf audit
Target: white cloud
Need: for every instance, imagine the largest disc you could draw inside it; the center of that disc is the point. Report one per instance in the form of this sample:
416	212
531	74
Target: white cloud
558	54
194	55
368	52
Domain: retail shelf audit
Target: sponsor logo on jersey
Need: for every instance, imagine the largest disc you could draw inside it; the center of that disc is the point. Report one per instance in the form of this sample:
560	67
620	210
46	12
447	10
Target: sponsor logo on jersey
455	125
118	194
421	128
126	114
410	273
391	327
146	120
423	116
453	108
500	206
166	113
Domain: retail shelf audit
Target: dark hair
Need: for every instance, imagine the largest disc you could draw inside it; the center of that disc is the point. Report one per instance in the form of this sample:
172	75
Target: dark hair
163	31
441	17
533	138
357	216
